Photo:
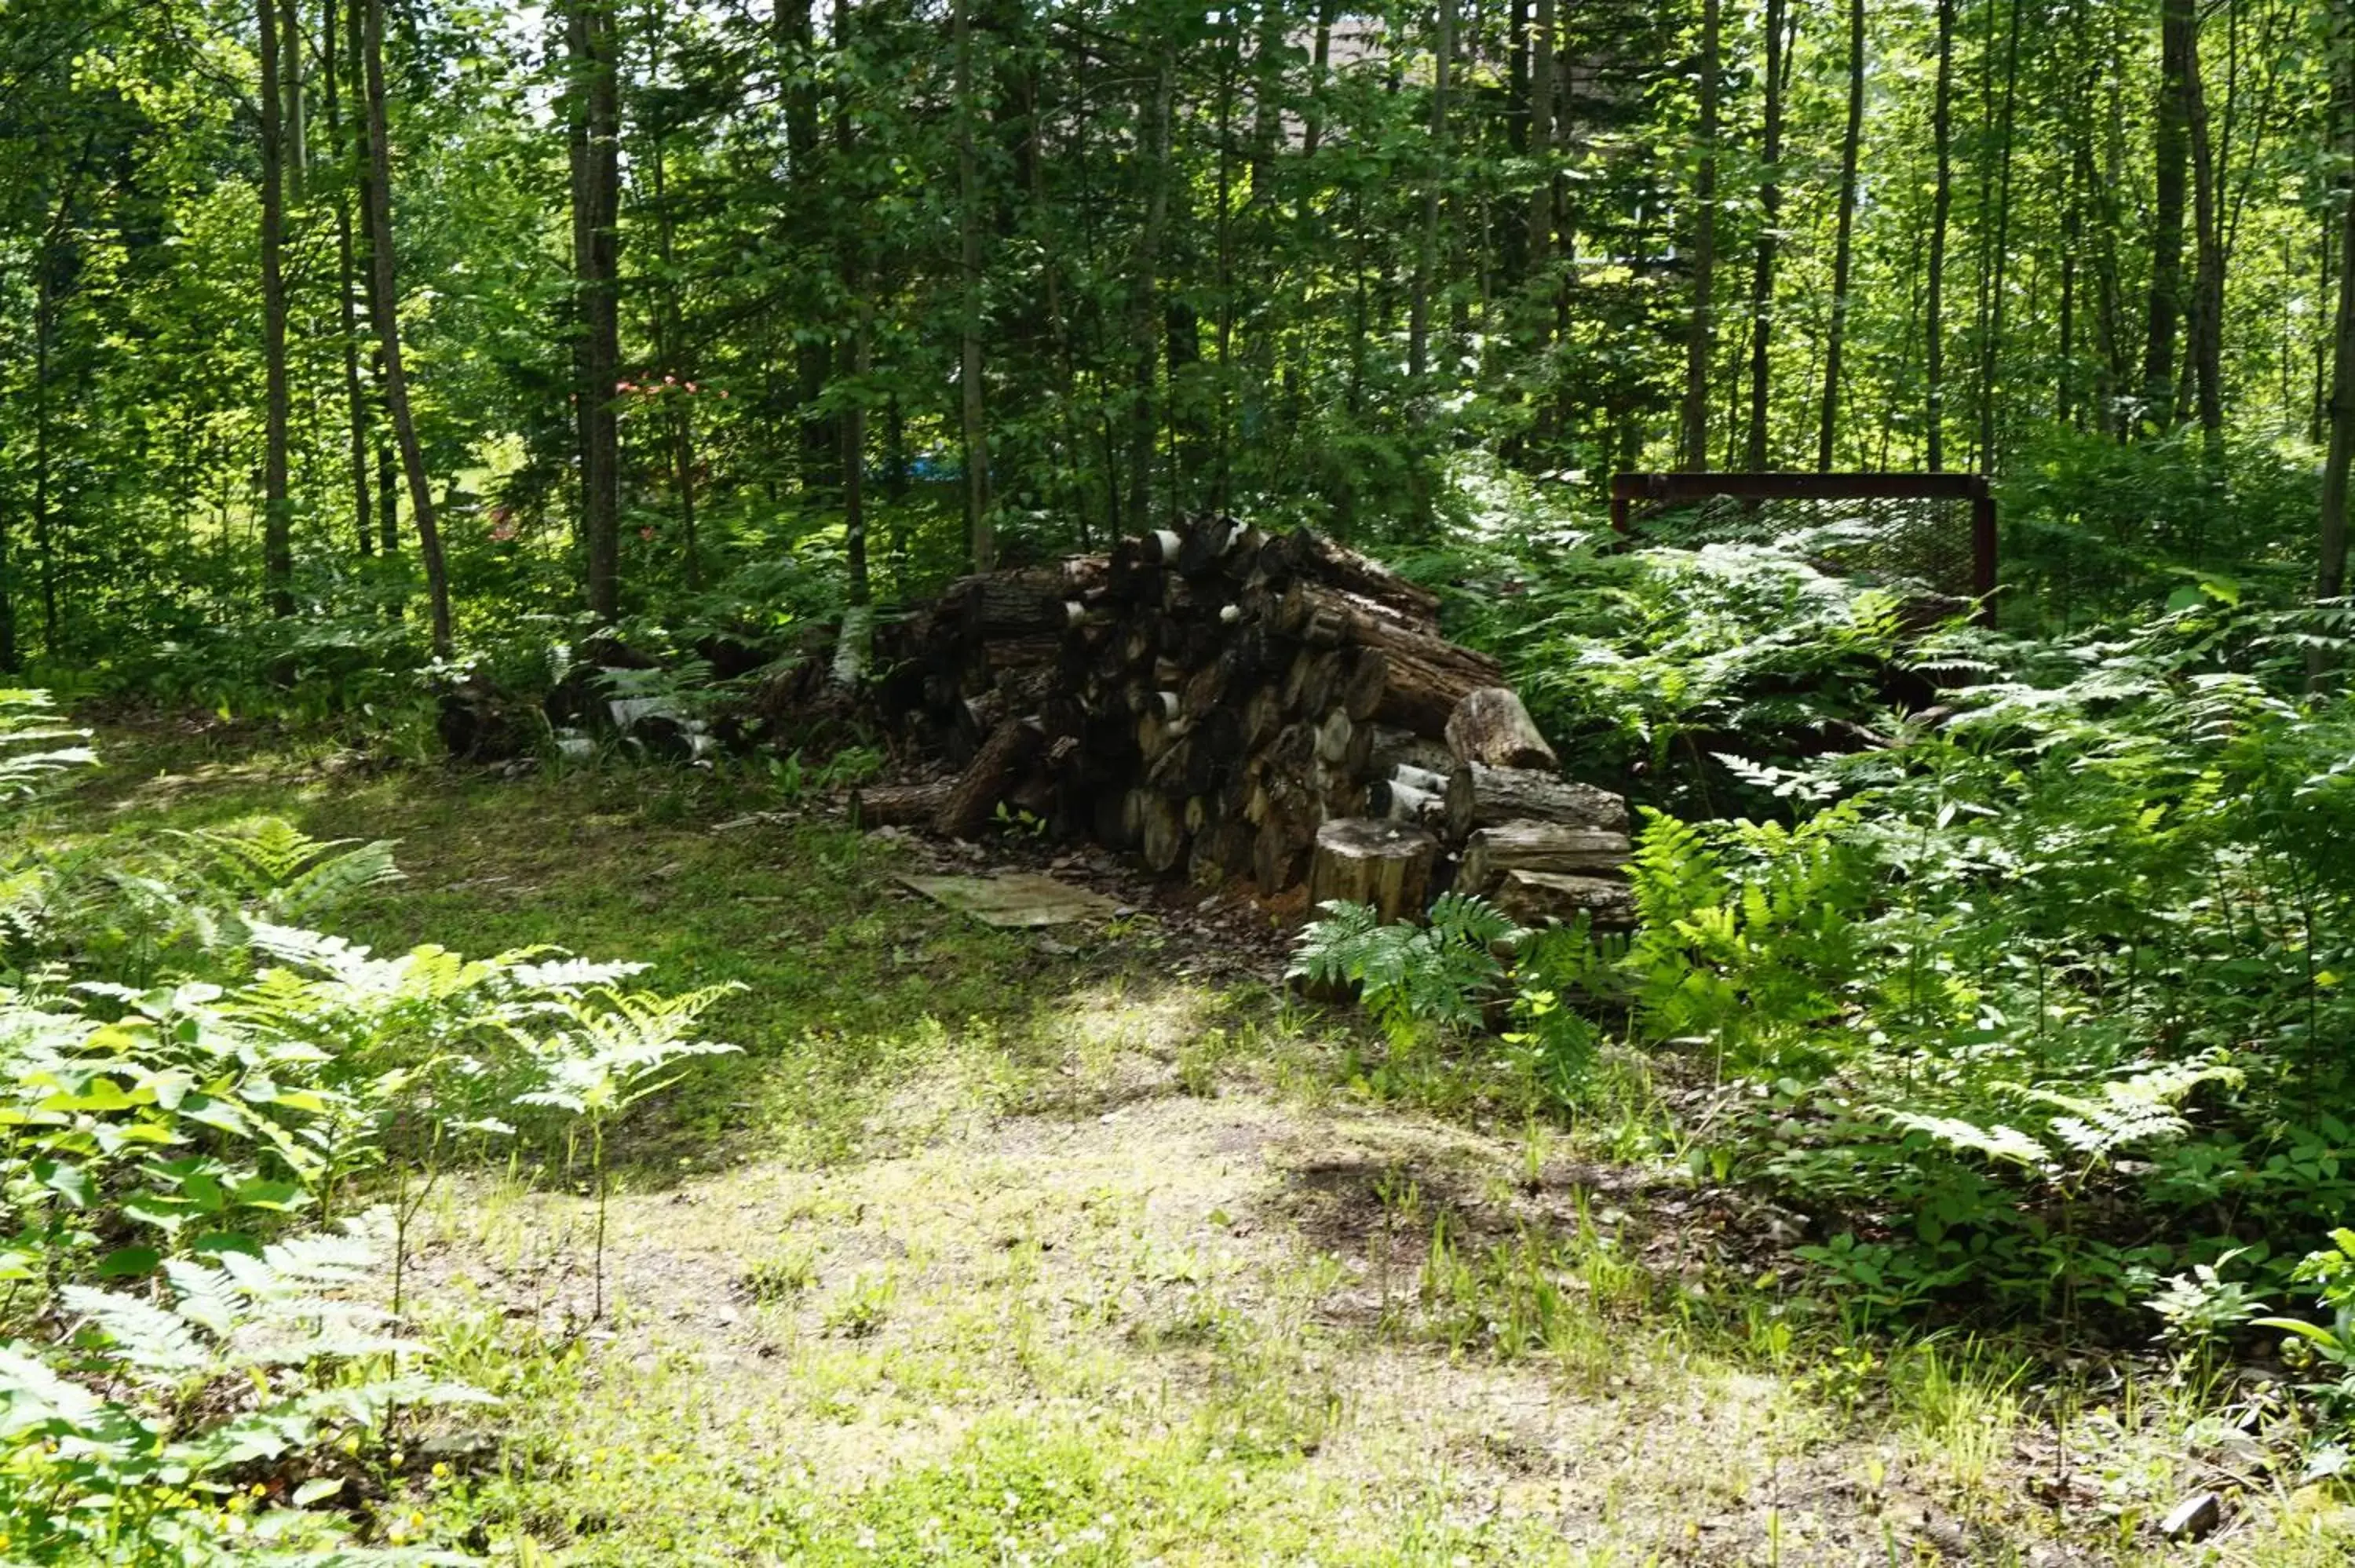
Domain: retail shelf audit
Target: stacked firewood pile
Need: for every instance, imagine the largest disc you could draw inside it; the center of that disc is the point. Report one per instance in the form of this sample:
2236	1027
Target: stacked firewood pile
1236	705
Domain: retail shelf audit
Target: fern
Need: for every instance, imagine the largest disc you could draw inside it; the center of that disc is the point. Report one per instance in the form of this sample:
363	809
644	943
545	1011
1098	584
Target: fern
1406	974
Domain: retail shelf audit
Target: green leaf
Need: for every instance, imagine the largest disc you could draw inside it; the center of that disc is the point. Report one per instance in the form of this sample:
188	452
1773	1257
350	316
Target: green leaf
125	1261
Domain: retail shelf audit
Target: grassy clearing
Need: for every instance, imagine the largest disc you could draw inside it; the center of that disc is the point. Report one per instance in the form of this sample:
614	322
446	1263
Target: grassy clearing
989	1251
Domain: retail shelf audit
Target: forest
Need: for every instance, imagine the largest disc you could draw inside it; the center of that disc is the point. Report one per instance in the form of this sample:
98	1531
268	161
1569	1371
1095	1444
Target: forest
1677	675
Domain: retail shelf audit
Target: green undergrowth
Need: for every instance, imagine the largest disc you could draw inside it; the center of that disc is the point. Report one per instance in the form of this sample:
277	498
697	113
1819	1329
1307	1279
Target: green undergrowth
983	1248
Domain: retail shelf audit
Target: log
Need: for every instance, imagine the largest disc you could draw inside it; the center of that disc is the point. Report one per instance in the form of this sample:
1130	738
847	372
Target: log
1520	794
1221	851
1396	802
970	803
898	805
1534	897
1492	727
1539	846
1395	748
1421	694
1160	828
1306	553
1205	545
996	605
1366	861
1280	854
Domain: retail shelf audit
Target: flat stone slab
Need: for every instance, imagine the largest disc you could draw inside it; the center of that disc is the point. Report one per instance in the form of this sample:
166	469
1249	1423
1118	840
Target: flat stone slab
1021	899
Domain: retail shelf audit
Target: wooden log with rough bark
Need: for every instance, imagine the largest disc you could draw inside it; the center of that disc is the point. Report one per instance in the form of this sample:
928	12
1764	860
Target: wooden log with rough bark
1534	897
1527	795
1365	860
987	780
1491	726
899	805
1552	847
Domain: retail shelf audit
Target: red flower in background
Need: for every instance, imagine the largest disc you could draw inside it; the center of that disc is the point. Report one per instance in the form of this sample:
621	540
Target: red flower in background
646	534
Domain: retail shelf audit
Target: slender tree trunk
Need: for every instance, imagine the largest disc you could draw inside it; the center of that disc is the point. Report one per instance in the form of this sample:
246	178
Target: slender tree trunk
979	529
820	439
1145	325
1700	337
1770	214
1999	259
277	542
595	87
1843	243
387	329
331	29
294	128
1540	117
2171	149
853	423
1942	122
1426	266
2330	571
2207	337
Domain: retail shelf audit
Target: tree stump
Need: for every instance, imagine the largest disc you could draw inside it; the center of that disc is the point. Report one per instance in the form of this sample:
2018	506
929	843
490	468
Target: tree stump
1367	861
1490	726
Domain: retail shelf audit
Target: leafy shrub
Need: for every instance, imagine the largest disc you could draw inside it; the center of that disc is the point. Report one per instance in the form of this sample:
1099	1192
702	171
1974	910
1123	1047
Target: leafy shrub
1442	973
185	1298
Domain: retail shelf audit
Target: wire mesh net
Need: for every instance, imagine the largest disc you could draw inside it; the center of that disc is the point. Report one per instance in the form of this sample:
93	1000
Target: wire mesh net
1916	544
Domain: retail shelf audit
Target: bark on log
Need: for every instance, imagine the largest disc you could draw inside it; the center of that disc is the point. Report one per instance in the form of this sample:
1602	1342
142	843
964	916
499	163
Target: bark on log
976	796
898	805
1421	694
1534	897
1367	861
1492	727
1394	746
1305	553
1160	828
1520	794
1539	846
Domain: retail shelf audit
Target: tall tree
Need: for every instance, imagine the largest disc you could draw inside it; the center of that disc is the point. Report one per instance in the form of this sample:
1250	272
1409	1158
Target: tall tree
2170	151
980	531
1994	267
1942	201
1700	334
332	28
1426	266
1843	240
592	58
2207	314
277	505
388	328
1770	215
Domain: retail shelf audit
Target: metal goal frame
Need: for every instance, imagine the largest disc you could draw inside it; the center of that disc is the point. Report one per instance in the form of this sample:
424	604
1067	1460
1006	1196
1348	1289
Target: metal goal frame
1662	490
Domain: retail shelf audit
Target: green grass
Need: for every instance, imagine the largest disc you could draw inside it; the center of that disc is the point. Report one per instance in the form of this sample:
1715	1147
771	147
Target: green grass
986	1251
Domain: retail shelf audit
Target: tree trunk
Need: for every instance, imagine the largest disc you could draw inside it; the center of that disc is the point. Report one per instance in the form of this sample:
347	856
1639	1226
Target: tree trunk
1942	122
1426	267
1365	861
2207	338
1761	273
331	30
1540	214
977	522
1999	256
2330	572
2171	152
277	525
1844	238
595	92
387	329
1144	315
1700	331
